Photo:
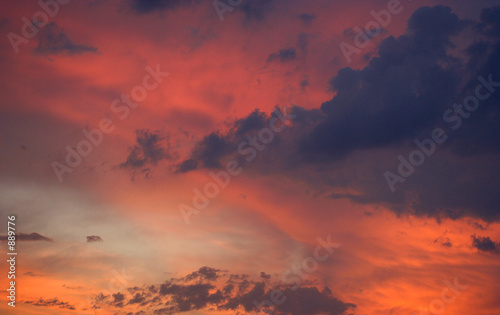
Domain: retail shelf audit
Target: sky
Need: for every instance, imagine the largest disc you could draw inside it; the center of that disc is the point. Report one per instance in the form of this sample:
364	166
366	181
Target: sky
250	157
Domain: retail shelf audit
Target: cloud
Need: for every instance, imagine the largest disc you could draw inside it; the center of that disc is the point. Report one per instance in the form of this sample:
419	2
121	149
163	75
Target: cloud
490	21
204	273
187	165
147	151
485	244
211	289
304	83
77	288
256	9
137	299
264	275
94	238
208	151
307	18
214	147
309	300
51	303
377	113
283	55
149	6
444	241
399	93
28	237
53	41
118	300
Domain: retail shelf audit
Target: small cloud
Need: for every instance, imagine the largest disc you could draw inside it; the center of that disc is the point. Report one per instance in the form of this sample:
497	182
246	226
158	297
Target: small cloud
307	18
149	6
28	237
53	41
94	238
51	303
264	275
206	273
32	274
479	226
148	150
444	241
118	299
304	83
73	288
485	244
138	298
256	9
283	55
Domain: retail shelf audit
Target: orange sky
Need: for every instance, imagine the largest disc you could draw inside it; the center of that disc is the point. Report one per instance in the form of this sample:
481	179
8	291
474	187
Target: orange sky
267	219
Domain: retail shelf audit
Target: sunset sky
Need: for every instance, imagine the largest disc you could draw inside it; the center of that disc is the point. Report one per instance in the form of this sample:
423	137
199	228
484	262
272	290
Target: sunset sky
251	156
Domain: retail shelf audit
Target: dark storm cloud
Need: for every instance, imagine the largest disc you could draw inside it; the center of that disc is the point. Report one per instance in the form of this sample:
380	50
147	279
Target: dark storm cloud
53	41
94	238
398	94
283	55
149	6
485	244
28	237
148	150
208	289
51	303
378	112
